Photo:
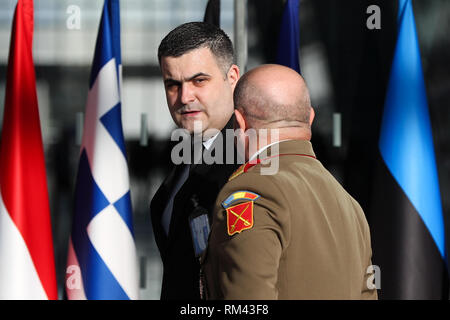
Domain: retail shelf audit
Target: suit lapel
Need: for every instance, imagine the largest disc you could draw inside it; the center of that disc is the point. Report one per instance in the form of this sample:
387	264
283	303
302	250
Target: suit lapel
159	203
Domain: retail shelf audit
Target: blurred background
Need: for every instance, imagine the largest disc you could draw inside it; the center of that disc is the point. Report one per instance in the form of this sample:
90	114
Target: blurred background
345	64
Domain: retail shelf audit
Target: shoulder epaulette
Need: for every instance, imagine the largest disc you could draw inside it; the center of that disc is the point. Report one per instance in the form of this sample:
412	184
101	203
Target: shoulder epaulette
242	169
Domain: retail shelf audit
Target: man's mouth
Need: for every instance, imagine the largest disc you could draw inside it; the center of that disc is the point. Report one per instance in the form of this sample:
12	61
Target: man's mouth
190	113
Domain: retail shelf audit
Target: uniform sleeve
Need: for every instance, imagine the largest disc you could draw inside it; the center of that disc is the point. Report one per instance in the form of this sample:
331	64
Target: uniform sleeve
249	261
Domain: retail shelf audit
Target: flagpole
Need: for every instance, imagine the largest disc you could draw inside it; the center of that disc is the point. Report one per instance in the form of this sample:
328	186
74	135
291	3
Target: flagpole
240	33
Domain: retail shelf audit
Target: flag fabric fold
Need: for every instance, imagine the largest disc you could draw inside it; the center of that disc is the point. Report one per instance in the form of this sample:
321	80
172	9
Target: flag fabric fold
289	38
407	218
102	255
27	269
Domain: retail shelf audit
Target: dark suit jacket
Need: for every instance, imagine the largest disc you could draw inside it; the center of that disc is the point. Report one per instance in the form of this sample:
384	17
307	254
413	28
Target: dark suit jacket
181	267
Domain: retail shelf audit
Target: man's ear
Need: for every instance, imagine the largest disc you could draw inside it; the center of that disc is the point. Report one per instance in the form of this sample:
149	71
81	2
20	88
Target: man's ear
311	116
233	75
240	120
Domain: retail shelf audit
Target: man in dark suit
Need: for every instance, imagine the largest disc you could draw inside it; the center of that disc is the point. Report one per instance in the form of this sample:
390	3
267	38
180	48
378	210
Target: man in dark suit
196	61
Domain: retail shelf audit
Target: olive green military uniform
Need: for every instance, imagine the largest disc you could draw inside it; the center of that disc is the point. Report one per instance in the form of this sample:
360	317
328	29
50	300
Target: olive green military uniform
296	234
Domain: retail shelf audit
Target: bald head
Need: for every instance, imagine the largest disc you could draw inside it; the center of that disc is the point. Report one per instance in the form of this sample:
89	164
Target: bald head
273	96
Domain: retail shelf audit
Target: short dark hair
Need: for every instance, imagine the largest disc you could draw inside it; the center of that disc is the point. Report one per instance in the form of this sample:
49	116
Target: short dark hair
196	35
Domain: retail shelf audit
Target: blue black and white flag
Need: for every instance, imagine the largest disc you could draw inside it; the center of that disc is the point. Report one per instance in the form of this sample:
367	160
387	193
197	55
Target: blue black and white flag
102	255
407	222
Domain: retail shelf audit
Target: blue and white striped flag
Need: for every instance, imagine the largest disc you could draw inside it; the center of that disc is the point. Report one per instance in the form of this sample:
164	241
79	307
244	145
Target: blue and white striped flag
102	255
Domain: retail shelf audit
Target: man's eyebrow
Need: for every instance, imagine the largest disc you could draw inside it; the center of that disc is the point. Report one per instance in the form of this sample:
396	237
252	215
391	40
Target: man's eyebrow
197	75
173	81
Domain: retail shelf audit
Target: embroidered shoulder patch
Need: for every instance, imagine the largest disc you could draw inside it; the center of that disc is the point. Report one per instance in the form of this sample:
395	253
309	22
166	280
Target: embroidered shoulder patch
239	216
239	195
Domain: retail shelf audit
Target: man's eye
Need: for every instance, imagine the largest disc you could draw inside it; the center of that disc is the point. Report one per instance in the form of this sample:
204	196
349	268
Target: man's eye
200	80
171	86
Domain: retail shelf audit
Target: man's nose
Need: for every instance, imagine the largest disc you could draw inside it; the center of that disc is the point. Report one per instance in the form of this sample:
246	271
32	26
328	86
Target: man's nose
187	93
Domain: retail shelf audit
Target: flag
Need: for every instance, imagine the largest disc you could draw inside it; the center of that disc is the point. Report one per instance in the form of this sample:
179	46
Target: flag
102	256
407	219
212	13
27	267
289	39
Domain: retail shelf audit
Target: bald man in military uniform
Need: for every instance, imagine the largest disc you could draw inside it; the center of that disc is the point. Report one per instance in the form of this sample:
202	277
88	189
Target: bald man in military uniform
294	234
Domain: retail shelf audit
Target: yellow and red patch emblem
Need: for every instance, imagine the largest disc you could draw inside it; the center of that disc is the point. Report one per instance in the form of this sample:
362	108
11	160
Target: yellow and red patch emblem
239	216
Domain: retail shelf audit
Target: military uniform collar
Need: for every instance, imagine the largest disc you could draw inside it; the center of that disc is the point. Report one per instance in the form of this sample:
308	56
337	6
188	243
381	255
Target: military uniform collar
264	148
294	146
285	147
